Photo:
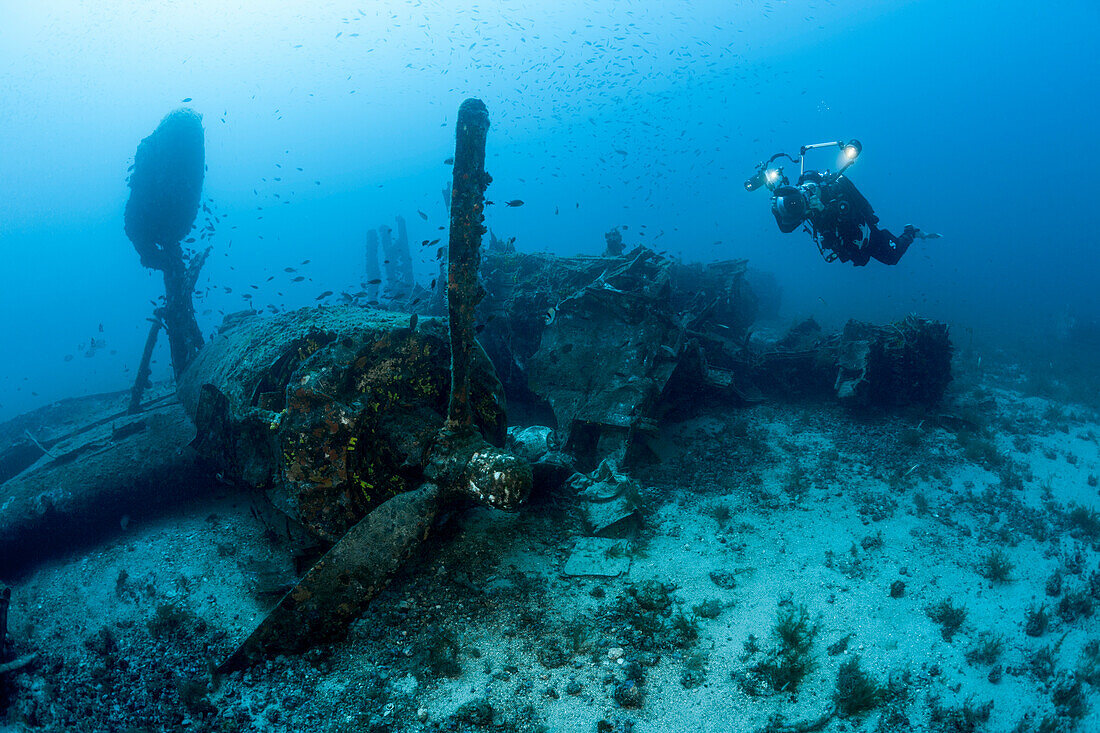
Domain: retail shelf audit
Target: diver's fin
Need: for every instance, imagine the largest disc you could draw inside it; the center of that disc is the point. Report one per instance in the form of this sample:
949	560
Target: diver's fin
918	234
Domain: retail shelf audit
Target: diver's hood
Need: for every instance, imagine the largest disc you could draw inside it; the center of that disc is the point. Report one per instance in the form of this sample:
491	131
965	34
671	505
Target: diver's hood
789	208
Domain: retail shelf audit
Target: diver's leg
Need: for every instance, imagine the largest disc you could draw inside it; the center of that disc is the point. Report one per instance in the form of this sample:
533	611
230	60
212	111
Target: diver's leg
844	250
860	256
886	248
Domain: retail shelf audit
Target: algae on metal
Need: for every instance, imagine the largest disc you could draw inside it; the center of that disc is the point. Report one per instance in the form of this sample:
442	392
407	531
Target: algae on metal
330	410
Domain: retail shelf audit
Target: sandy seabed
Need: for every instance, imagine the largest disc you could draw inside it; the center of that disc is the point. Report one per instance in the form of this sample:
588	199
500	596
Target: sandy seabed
944	564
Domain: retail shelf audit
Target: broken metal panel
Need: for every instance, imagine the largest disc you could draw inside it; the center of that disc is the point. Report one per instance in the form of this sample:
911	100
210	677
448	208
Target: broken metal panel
610	500
600	347
902	363
603	360
598	557
799	364
521	288
18	456
853	356
715	296
331	410
589	344
609	347
115	466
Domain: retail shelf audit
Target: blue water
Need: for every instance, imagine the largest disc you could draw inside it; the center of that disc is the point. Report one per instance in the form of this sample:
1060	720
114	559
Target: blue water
977	121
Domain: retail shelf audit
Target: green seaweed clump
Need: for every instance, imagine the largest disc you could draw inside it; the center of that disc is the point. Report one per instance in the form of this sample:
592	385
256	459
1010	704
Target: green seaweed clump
721	513
987	650
996	566
1088	669
695	671
1085	521
478	713
647	619
1069	698
685	629
708	609
856	691
1075	605
948	616
965	718
1042	662
980	450
171	620
577	633
788	663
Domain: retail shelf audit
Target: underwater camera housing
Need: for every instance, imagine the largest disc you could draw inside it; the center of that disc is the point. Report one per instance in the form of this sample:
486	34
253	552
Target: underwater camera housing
791	204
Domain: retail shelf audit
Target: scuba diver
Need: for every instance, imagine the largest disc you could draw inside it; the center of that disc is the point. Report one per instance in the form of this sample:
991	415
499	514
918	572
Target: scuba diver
840	220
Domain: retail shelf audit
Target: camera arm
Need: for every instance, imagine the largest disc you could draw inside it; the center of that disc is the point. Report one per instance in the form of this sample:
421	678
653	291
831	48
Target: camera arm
851	151
852	148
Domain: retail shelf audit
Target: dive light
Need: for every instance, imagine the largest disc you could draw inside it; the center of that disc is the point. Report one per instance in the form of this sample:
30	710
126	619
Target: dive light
764	176
771	177
848	153
756	180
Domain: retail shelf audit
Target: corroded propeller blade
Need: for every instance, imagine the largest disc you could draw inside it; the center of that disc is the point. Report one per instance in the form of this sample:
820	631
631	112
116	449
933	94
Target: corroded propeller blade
345	580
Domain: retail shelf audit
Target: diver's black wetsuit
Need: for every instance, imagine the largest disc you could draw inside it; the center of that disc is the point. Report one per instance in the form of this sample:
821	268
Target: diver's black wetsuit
840	225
